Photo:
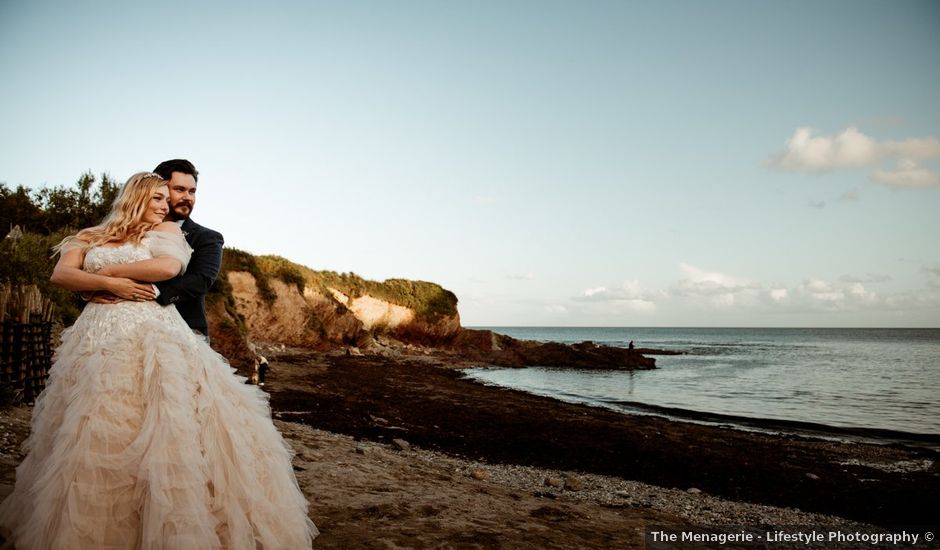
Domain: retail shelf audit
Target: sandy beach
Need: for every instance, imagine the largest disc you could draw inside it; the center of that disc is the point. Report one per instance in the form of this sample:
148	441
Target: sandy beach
400	452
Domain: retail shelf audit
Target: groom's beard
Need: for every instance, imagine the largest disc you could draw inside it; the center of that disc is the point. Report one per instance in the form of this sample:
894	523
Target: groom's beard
180	211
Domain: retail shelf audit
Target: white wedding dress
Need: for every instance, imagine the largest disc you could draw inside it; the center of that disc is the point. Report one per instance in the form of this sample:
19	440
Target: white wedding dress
144	438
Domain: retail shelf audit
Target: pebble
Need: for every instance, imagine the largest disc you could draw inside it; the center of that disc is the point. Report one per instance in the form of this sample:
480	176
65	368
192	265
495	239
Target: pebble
402	444
480	474
572	484
554	482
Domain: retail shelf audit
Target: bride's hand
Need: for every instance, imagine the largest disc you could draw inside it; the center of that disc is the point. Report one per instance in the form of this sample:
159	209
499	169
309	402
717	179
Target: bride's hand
130	289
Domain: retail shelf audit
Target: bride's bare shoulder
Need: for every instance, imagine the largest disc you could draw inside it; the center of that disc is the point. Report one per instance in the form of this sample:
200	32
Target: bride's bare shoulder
169	227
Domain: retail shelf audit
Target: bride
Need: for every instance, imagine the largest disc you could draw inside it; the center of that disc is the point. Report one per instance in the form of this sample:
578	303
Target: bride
144	438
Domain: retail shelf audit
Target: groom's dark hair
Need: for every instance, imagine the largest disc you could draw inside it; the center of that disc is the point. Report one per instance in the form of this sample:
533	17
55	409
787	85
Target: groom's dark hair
166	168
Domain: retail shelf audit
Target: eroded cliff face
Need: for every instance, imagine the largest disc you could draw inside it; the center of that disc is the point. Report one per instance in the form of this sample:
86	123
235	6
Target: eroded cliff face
322	321
272	300
374	313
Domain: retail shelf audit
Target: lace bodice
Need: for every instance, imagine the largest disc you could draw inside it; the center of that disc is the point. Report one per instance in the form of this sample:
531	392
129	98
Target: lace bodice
153	245
100	256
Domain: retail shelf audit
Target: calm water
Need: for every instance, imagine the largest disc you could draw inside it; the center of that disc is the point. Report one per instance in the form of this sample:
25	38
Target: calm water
883	379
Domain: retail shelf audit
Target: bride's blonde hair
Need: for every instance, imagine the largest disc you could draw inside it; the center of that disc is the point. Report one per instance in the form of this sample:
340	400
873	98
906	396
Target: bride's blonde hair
125	222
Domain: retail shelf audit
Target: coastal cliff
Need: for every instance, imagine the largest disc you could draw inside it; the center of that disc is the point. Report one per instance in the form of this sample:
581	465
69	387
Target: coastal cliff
273	300
270	299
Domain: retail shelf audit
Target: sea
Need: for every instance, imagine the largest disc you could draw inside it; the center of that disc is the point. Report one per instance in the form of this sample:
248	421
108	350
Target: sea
869	384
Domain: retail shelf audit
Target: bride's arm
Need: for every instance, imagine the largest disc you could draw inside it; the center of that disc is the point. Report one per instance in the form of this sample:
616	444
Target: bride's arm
68	274
153	270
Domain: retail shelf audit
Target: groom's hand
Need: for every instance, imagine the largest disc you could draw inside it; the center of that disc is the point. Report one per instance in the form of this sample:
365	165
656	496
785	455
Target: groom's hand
105	298
130	289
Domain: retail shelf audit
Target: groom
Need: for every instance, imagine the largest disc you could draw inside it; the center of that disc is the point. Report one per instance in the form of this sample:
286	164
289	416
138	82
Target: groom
188	291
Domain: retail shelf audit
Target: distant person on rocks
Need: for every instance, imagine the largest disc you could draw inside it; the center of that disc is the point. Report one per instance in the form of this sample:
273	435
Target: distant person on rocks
258	371
630	347
262	369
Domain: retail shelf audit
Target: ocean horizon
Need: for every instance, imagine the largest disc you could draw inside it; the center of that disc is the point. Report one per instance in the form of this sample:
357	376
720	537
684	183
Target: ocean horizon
877	383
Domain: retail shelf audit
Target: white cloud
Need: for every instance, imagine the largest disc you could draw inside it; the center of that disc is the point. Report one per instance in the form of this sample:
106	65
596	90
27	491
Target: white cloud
556	309
642	306
629	290
779	295
597	291
632	290
716	288
853	294
805	151
521	276
697	281
707	280
907	173
719	291
820	292
836	296
630	294
849	293
850	149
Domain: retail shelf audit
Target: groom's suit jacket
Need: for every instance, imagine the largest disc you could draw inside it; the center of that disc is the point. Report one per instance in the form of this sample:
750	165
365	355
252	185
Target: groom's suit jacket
188	291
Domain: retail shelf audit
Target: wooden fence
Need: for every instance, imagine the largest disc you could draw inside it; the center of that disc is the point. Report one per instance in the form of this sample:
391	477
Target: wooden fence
25	341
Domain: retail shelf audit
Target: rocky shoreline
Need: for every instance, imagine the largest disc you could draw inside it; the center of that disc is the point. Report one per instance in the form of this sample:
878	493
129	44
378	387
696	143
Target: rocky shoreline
426	401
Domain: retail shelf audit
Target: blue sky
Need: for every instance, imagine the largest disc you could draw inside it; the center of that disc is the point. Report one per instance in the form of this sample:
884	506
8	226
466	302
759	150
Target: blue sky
553	163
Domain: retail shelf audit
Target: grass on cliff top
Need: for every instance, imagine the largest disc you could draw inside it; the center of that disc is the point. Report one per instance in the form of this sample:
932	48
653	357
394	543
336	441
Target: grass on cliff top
429	300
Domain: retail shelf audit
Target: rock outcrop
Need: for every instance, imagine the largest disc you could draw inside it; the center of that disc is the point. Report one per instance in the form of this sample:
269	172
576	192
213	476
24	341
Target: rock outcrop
498	349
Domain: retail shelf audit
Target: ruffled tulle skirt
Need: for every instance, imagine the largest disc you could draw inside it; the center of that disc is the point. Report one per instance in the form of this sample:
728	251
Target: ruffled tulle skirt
145	438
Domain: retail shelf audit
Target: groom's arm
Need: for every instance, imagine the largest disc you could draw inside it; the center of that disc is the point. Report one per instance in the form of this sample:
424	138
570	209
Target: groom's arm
200	274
